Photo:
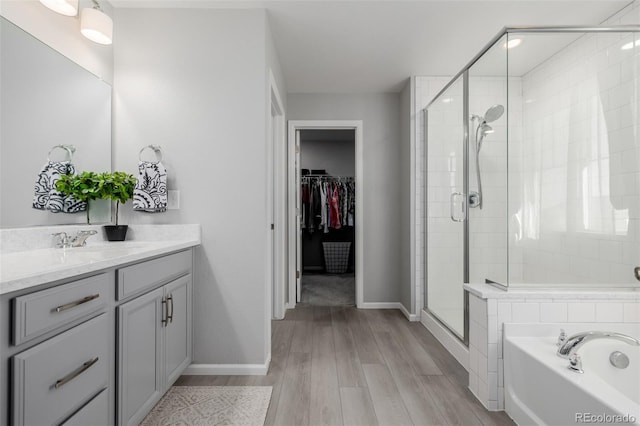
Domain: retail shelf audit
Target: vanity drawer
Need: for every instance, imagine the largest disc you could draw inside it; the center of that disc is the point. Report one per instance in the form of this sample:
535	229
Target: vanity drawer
46	310
136	278
95	413
59	375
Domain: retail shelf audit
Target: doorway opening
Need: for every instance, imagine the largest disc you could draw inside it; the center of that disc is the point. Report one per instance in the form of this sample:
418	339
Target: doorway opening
327	185
325	249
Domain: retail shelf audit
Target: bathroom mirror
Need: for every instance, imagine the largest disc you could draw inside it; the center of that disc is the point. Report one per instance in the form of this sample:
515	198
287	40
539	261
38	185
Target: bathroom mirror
47	100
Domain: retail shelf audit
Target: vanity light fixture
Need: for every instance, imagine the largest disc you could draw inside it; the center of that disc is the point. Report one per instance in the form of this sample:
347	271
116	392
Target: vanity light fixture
96	25
63	7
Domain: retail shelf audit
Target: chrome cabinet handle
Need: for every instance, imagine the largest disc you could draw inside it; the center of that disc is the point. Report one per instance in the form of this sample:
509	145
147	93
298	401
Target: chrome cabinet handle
464	206
170	316
71	305
87	365
165	311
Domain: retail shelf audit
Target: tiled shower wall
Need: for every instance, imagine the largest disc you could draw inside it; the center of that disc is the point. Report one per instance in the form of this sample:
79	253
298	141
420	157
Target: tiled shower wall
426	88
574	168
577	208
488	227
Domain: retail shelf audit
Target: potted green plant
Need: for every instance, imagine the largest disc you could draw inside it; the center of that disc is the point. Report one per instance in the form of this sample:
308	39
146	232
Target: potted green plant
82	187
118	187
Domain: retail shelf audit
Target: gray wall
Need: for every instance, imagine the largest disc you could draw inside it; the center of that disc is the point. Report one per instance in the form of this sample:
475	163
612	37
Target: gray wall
338	158
380	114
405	199
195	82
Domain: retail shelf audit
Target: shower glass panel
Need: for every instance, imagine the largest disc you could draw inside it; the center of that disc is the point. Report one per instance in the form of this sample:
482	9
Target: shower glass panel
574	159
445	208
487	235
533	167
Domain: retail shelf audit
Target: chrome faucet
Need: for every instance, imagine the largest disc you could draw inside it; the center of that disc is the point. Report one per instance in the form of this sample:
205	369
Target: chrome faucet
568	348
79	240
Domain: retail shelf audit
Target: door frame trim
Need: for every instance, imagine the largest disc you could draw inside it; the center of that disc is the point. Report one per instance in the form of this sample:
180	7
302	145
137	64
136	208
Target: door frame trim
295	125
276	205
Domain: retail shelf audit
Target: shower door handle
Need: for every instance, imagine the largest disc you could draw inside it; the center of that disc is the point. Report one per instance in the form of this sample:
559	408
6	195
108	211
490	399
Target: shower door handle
455	195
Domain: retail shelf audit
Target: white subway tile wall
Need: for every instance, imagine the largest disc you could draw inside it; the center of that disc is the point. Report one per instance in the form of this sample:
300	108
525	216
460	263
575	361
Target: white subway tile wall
426	88
576	196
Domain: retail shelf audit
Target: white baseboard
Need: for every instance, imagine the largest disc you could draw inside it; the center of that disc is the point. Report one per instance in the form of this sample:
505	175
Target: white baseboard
227	369
451	343
410	317
389	305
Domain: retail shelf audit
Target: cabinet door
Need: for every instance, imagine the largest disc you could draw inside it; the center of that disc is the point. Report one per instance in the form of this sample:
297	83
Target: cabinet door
178	328
140	344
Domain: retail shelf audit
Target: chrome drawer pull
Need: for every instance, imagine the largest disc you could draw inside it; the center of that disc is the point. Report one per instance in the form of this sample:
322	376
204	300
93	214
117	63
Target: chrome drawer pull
87	365
170	316
76	303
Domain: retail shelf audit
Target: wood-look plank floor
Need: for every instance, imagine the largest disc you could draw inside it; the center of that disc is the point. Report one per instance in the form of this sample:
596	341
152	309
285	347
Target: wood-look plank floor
344	366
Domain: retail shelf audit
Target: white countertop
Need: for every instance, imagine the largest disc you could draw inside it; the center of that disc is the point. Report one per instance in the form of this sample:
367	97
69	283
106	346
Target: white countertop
27	268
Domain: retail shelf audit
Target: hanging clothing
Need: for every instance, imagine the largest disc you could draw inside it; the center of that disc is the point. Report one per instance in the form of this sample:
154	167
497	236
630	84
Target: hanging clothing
334	206
327	203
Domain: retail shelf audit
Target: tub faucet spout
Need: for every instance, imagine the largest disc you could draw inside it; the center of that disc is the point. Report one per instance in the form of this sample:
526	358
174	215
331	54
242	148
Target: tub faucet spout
569	348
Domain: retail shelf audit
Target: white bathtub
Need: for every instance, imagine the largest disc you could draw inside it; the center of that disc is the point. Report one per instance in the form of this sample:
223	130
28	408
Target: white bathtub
541	390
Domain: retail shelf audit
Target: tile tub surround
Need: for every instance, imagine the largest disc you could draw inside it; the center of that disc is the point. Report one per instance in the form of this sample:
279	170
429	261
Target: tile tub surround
28	257
490	308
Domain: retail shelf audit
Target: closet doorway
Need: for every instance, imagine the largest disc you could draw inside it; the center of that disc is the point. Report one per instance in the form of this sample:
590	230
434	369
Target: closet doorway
325	169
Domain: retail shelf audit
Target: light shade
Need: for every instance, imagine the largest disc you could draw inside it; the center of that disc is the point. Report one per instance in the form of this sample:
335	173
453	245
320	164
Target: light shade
63	7
96	26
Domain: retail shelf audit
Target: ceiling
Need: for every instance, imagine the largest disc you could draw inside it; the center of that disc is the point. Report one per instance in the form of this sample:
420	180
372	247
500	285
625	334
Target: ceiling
362	46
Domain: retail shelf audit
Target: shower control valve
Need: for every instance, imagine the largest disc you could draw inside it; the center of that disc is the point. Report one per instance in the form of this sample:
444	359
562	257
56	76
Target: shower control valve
474	199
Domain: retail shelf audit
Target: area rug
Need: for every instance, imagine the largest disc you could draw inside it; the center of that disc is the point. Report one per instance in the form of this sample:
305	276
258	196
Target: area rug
211	405
328	290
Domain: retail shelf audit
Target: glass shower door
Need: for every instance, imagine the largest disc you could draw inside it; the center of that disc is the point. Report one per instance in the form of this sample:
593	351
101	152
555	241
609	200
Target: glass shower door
446	208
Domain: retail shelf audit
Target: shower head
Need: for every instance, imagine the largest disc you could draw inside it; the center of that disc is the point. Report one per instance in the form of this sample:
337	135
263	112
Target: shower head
493	113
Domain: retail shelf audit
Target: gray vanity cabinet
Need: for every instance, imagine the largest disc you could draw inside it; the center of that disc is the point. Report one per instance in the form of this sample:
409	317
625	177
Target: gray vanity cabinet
97	349
154	347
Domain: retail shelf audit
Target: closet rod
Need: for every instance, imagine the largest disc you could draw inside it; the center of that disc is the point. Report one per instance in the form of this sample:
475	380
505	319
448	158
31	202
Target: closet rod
328	176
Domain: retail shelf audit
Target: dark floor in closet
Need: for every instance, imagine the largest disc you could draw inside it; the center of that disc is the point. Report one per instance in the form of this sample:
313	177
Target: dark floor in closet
328	289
